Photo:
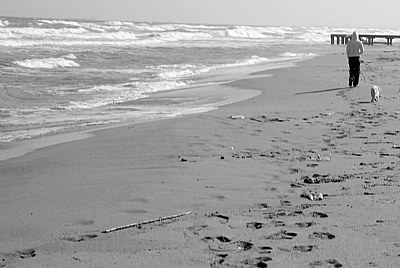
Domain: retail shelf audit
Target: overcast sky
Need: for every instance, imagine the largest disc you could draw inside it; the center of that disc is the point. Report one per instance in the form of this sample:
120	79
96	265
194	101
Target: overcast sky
350	13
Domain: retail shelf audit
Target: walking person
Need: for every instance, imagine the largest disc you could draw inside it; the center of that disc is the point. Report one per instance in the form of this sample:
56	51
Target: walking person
354	49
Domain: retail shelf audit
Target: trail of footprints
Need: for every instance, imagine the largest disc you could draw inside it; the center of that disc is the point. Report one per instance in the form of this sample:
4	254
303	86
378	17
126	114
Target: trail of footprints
360	124
258	250
8	258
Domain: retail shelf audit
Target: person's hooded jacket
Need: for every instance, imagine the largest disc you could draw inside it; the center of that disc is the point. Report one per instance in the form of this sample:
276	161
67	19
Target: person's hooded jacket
354	47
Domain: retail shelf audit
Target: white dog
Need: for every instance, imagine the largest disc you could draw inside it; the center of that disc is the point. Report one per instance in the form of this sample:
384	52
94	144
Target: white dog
375	92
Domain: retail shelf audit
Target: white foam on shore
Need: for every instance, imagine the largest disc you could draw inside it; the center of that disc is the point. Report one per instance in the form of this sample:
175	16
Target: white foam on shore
297	55
186	70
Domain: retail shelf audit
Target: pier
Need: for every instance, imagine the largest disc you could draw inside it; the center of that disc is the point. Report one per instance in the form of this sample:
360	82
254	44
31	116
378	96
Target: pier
366	38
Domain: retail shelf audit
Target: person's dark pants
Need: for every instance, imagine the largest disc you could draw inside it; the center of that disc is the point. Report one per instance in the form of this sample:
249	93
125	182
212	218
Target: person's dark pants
354	65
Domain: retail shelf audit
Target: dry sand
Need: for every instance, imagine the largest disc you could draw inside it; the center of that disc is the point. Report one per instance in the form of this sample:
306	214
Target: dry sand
246	181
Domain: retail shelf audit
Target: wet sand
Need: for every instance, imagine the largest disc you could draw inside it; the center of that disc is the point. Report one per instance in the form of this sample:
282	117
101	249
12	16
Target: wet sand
247	173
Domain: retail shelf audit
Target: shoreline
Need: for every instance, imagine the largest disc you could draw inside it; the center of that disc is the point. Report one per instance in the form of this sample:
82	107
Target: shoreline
19	148
245	180
212	101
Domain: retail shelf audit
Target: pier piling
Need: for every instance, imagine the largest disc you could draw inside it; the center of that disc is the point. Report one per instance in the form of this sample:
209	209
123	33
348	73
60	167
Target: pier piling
366	38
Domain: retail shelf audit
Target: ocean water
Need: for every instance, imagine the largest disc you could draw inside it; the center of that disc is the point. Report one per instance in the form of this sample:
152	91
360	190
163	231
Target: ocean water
65	75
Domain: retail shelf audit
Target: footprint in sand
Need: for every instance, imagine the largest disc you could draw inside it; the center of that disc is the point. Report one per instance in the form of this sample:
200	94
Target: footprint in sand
321	235
278	223
285	203
244	245
312	165
305	224
255	225
240	245
217	260
221	246
26	253
300	248
295	213
80	238
274	214
281	235
220	238
305	206
317	214
7	259
264	250
262	205
257	262
296	185
223	239
304	248
218	215
197	228
327	263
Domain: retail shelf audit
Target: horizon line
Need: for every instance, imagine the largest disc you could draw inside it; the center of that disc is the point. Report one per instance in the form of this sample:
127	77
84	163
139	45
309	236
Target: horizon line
93	19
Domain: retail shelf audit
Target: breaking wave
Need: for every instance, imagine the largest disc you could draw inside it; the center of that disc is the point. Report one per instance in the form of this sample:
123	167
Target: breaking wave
117	33
3	23
123	93
48	63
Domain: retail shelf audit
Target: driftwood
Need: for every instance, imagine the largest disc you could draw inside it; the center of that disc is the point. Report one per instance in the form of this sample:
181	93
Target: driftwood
145	222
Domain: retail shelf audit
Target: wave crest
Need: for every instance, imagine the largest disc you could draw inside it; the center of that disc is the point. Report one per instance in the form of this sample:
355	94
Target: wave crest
117	33
245	32
3	23
47	63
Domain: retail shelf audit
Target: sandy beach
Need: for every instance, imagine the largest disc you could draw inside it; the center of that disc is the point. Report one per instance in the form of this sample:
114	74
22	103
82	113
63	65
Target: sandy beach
306	174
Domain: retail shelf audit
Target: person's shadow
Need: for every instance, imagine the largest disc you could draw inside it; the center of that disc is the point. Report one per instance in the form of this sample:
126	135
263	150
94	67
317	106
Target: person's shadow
329	90
321	91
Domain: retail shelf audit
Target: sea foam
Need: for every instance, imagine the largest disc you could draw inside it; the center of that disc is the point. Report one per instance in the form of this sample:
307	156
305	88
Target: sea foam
47	63
297	55
253	60
3	23
245	32
177	71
